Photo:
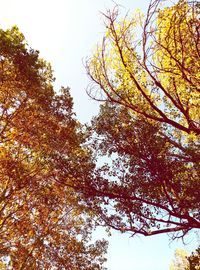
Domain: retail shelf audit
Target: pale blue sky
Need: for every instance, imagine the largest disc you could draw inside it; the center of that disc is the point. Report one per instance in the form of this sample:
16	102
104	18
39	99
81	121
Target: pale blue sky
65	31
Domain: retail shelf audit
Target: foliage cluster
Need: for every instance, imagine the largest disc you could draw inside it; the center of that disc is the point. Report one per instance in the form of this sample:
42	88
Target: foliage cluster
149	120
52	187
184	262
43	222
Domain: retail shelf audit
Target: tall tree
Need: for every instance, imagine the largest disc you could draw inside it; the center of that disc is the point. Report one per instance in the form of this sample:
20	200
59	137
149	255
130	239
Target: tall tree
158	76
149	122
43	222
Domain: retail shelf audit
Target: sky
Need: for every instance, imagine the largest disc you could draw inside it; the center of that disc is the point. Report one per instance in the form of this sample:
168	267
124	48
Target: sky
65	32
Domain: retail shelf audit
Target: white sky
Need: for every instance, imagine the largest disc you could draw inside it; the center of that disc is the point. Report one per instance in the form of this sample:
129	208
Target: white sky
65	31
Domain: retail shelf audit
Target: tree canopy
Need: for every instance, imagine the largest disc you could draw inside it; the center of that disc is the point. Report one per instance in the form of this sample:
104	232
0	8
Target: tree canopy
148	80
43	222
146	72
180	262
184	262
156	76
194	260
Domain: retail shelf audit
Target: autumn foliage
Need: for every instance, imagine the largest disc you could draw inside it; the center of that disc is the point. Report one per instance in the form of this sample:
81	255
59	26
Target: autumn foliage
43	224
146	72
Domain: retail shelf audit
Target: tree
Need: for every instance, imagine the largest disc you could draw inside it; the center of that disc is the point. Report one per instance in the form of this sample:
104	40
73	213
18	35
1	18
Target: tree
44	223
194	260
149	121
184	262
180	262
158	76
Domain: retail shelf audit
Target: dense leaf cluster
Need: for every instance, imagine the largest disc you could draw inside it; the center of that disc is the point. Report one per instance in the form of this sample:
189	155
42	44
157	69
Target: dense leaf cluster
43	223
149	121
147	132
